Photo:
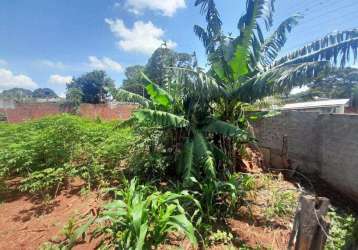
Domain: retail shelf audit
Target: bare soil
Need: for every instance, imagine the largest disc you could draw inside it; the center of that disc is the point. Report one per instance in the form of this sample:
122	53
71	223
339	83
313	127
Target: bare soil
26	222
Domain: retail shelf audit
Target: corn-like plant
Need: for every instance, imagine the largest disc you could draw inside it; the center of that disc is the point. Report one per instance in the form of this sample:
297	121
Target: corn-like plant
140	217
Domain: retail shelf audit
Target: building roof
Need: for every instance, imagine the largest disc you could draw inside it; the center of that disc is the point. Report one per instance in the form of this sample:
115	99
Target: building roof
315	104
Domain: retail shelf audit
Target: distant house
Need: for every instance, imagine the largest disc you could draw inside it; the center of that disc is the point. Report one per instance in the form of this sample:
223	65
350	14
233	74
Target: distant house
336	106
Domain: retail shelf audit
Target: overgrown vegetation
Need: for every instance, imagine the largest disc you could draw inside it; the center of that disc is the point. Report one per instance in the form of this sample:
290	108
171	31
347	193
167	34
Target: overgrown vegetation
49	152
183	148
343	231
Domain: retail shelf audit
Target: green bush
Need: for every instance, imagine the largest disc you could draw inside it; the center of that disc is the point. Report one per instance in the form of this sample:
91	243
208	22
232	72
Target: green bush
49	151
343	233
150	159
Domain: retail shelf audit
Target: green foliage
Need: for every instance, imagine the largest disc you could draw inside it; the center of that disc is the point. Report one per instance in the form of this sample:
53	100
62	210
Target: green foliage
134	81
23	95
43	181
141	218
158	68
18	94
248	67
339	83
44	93
150	159
343	232
94	86
221	198
74	98
220	237
49	151
281	203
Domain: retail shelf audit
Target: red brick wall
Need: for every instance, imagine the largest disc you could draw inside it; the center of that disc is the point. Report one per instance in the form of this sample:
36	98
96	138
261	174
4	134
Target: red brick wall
29	111
107	112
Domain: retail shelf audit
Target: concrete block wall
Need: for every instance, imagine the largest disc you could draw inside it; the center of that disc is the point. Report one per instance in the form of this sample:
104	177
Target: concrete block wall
339	152
325	144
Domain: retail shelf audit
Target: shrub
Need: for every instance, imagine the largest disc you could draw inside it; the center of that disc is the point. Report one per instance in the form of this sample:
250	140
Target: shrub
150	159
343	232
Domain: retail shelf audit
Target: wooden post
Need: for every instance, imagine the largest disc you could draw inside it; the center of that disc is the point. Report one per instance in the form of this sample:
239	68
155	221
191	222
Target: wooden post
310	227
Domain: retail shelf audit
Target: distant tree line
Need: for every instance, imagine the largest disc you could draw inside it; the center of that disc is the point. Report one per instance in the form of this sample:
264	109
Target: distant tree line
22	94
341	83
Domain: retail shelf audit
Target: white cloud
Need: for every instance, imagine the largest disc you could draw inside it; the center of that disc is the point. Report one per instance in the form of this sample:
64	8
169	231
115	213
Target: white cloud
3	62
298	90
52	64
9	80
165	7
105	64
59	80
142	38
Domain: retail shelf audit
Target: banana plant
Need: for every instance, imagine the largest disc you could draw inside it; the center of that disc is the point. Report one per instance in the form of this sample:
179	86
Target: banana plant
248	67
184	109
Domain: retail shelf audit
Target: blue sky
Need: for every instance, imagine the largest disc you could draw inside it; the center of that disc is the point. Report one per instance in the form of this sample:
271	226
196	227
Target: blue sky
43	43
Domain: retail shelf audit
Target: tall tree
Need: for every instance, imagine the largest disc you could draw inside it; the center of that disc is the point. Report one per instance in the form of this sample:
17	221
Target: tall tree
159	65
134	81
94	86
18	94
337	84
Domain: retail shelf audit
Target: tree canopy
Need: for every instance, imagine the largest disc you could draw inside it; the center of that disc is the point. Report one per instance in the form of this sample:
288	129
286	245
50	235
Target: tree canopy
17	94
44	93
340	83
158	69
21	94
94	86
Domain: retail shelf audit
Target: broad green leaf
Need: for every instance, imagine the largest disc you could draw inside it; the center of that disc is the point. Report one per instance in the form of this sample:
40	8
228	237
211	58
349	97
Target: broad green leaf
183	224
187	163
142	236
157	94
161	118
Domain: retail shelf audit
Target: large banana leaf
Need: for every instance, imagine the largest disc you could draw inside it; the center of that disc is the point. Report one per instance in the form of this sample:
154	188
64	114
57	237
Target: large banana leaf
157	94
224	128
160	118
274	43
122	95
255	9
187	160
203	155
334	46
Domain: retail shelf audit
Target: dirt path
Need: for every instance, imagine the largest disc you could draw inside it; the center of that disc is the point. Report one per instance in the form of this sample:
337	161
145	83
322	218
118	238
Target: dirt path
25	223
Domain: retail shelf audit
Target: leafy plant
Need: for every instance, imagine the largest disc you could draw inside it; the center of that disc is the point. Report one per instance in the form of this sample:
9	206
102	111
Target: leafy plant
281	203
343	231
47	153
247	66
43	181
140	218
219	199
220	237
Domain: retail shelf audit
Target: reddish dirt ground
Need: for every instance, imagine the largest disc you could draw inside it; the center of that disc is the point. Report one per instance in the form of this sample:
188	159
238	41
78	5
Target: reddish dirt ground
26	223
